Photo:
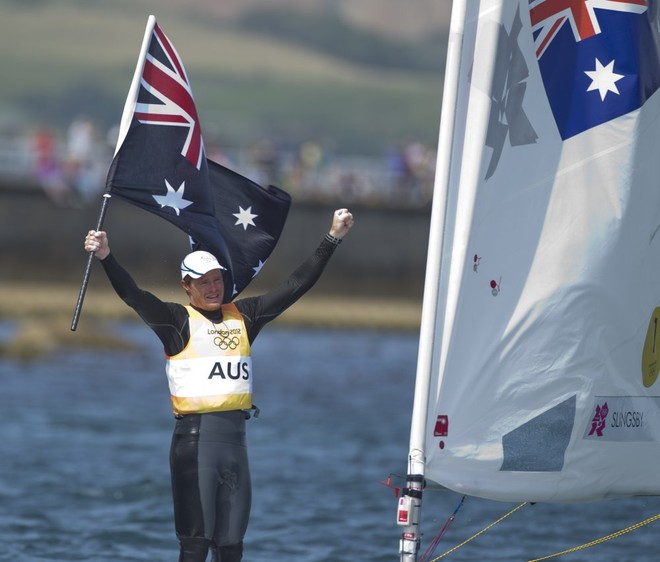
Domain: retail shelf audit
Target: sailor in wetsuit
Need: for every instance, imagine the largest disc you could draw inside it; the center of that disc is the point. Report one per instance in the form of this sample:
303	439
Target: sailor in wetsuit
207	345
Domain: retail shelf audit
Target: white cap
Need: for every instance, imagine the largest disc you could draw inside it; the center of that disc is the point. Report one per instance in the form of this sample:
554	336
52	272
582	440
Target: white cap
198	263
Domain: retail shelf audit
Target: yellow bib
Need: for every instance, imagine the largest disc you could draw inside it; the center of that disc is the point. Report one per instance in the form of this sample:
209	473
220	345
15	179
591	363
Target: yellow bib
214	371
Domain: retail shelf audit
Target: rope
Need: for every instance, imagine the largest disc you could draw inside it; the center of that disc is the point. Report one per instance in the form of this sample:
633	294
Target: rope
602	539
428	553
480	532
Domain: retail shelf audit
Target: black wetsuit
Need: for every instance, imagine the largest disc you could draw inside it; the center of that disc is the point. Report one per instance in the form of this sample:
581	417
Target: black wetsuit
208	458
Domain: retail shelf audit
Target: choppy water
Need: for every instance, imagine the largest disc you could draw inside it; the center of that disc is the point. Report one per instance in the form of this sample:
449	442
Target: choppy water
84	461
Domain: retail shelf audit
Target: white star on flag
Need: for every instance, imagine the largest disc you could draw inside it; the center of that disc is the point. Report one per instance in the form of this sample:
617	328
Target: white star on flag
244	217
173	198
258	268
603	79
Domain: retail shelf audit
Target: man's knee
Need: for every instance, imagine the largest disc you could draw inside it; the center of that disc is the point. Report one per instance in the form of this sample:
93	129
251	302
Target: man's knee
228	553
193	549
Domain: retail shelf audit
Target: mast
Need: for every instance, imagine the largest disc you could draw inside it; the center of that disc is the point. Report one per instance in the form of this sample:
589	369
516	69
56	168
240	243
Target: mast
410	502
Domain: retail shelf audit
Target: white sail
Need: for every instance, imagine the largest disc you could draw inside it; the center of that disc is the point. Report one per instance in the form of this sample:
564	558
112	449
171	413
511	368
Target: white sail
545	339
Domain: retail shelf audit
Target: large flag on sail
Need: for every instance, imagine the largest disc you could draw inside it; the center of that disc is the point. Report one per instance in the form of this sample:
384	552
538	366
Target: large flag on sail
160	165
546	346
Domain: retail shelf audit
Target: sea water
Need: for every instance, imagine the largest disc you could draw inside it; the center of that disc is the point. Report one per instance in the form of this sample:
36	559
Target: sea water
84	461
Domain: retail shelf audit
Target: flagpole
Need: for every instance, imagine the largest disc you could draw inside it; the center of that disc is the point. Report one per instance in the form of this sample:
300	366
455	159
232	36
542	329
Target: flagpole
88	268
131	98
127	116
410	502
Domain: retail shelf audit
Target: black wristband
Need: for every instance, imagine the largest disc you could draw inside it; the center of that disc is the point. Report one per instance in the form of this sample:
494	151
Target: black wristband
333	239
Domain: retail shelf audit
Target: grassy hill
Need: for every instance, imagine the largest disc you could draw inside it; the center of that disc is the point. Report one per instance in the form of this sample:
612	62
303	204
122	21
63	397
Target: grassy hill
292	75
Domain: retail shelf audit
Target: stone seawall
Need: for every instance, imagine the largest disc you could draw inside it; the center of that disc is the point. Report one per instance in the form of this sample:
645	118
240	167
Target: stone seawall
385	254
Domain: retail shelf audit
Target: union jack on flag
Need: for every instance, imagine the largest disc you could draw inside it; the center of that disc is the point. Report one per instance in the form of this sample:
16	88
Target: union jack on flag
164	80
599	59
160	166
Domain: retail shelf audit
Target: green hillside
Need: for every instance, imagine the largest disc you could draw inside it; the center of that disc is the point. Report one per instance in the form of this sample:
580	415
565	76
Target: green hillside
253	77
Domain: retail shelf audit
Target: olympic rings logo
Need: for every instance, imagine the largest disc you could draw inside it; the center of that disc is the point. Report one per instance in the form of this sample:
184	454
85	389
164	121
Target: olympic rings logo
226	342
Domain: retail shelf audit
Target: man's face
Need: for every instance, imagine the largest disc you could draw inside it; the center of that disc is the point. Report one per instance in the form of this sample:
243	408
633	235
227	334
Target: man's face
207	291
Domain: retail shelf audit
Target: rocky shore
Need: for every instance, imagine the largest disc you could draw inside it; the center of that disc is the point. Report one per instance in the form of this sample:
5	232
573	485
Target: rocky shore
41	316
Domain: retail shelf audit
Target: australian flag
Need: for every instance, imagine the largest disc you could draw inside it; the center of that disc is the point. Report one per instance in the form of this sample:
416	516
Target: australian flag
599	59
161	166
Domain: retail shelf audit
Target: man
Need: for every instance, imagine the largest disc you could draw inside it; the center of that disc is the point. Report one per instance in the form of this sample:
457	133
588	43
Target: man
209	370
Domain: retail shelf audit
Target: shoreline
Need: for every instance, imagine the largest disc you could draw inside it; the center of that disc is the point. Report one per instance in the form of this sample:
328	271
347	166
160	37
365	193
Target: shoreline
43	315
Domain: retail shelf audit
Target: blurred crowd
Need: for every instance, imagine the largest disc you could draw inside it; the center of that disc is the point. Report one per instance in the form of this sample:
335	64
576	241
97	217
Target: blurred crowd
71	167
71	170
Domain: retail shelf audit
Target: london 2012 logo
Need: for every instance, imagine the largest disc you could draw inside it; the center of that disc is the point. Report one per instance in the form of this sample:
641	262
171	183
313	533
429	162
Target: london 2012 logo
599	419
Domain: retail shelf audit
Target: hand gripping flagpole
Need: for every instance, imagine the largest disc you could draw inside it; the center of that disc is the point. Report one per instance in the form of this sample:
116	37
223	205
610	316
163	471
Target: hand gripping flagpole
88	268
